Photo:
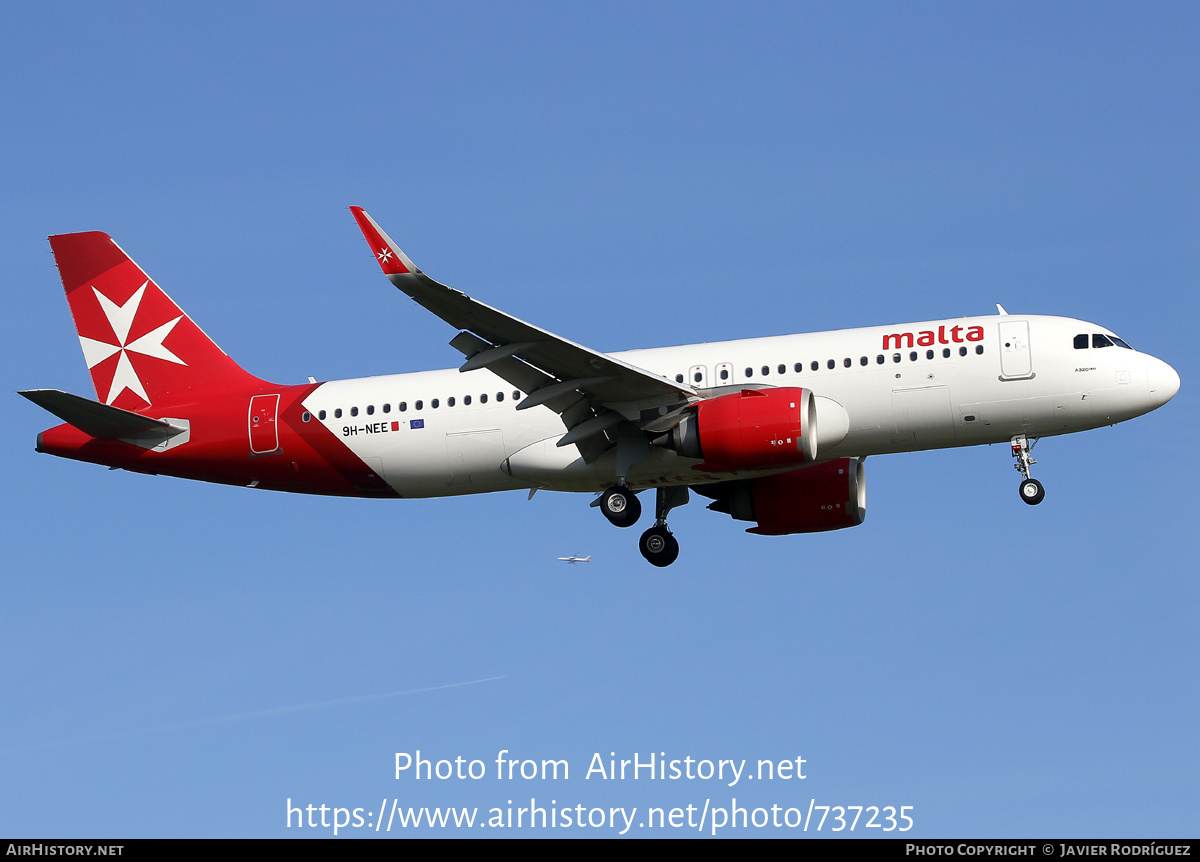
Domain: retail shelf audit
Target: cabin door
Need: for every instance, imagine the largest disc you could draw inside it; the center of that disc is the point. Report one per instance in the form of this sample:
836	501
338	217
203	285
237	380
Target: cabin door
1015	360
264	428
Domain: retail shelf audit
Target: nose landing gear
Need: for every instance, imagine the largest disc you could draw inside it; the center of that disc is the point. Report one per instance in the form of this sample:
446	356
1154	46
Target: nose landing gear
1031	489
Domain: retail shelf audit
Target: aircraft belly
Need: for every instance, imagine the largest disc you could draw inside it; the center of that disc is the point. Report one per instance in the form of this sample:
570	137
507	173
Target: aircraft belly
560	468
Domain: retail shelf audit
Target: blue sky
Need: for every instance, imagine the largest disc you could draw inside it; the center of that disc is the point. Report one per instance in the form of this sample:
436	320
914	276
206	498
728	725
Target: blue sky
627	176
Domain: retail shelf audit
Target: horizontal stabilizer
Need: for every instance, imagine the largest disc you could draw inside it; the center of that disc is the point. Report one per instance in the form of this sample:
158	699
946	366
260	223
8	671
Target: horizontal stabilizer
96	419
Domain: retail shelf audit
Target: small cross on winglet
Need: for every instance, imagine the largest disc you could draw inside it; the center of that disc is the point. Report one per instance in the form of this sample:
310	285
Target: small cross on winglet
391	259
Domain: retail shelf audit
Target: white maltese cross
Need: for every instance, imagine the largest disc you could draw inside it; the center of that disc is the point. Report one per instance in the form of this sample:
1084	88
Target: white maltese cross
151	344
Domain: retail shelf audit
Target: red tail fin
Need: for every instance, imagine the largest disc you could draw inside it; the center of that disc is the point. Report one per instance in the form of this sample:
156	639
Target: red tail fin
140	348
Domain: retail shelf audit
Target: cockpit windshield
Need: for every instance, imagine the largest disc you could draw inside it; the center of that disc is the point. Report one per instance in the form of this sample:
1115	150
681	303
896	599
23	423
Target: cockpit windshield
1098	339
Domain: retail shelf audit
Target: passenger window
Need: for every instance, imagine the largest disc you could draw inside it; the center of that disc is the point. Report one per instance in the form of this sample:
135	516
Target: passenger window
979	349
862	360
337	414
895	357
766	369
516	394
815	365
467	400
387	408
483	398
945	353
418	405
799	366
724	373
433	405
782	369
832	363
912	357
962	351
879	359
847	362
499	396
370	409
306	416
321	415
1081	342
678	378
450	401
353	411
929	354
749	372
697	376
402	406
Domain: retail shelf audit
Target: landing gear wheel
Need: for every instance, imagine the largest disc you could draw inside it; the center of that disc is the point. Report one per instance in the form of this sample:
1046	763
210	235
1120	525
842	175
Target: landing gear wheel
620	506
658	546
1032	491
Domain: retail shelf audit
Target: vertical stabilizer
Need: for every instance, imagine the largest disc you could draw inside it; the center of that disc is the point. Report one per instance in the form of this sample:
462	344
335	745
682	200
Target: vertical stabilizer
140	348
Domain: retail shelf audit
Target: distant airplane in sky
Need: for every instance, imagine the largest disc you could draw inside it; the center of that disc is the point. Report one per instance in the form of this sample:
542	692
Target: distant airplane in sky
773	430
575	558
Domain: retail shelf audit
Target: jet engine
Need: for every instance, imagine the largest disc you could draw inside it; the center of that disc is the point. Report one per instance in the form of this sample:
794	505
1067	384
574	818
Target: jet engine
754	429
813	499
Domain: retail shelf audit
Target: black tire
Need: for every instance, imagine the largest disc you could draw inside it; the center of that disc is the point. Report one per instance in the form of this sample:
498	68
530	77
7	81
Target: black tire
620	506
1032	492
659	547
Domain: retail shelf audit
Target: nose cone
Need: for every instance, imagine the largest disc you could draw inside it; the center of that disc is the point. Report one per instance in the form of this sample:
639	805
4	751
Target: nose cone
1163	382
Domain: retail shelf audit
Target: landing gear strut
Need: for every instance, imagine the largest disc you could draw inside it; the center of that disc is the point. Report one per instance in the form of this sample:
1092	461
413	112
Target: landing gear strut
1031	489
658	545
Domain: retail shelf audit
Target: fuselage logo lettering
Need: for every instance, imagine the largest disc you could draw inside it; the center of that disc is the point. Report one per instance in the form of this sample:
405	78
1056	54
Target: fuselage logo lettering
927	337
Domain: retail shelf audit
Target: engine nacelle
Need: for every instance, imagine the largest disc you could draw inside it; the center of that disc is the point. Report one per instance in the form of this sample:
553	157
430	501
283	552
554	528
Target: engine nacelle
829	496
754	429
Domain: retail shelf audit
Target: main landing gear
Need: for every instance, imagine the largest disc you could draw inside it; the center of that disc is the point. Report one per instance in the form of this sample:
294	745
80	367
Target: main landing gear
1032	491
657	545
621	507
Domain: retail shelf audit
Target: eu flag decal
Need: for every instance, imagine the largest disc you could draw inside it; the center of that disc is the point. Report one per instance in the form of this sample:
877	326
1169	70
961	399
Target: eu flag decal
416	423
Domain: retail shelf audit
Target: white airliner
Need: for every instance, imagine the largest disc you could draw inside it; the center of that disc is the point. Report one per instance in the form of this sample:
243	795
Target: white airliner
575	558
773	430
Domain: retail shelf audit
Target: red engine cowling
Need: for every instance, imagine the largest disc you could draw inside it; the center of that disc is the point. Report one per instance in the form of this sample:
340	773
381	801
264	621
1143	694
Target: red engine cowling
754	429
829	496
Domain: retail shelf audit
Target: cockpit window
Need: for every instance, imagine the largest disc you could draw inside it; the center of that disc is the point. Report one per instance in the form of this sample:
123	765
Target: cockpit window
1081	342
1120	343
1099	340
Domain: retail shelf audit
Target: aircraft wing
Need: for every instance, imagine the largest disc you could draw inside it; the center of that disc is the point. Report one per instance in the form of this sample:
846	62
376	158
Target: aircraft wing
592	391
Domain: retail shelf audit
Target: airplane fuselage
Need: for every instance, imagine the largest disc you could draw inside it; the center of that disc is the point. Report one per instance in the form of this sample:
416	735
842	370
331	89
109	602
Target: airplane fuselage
937	384
1017	375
